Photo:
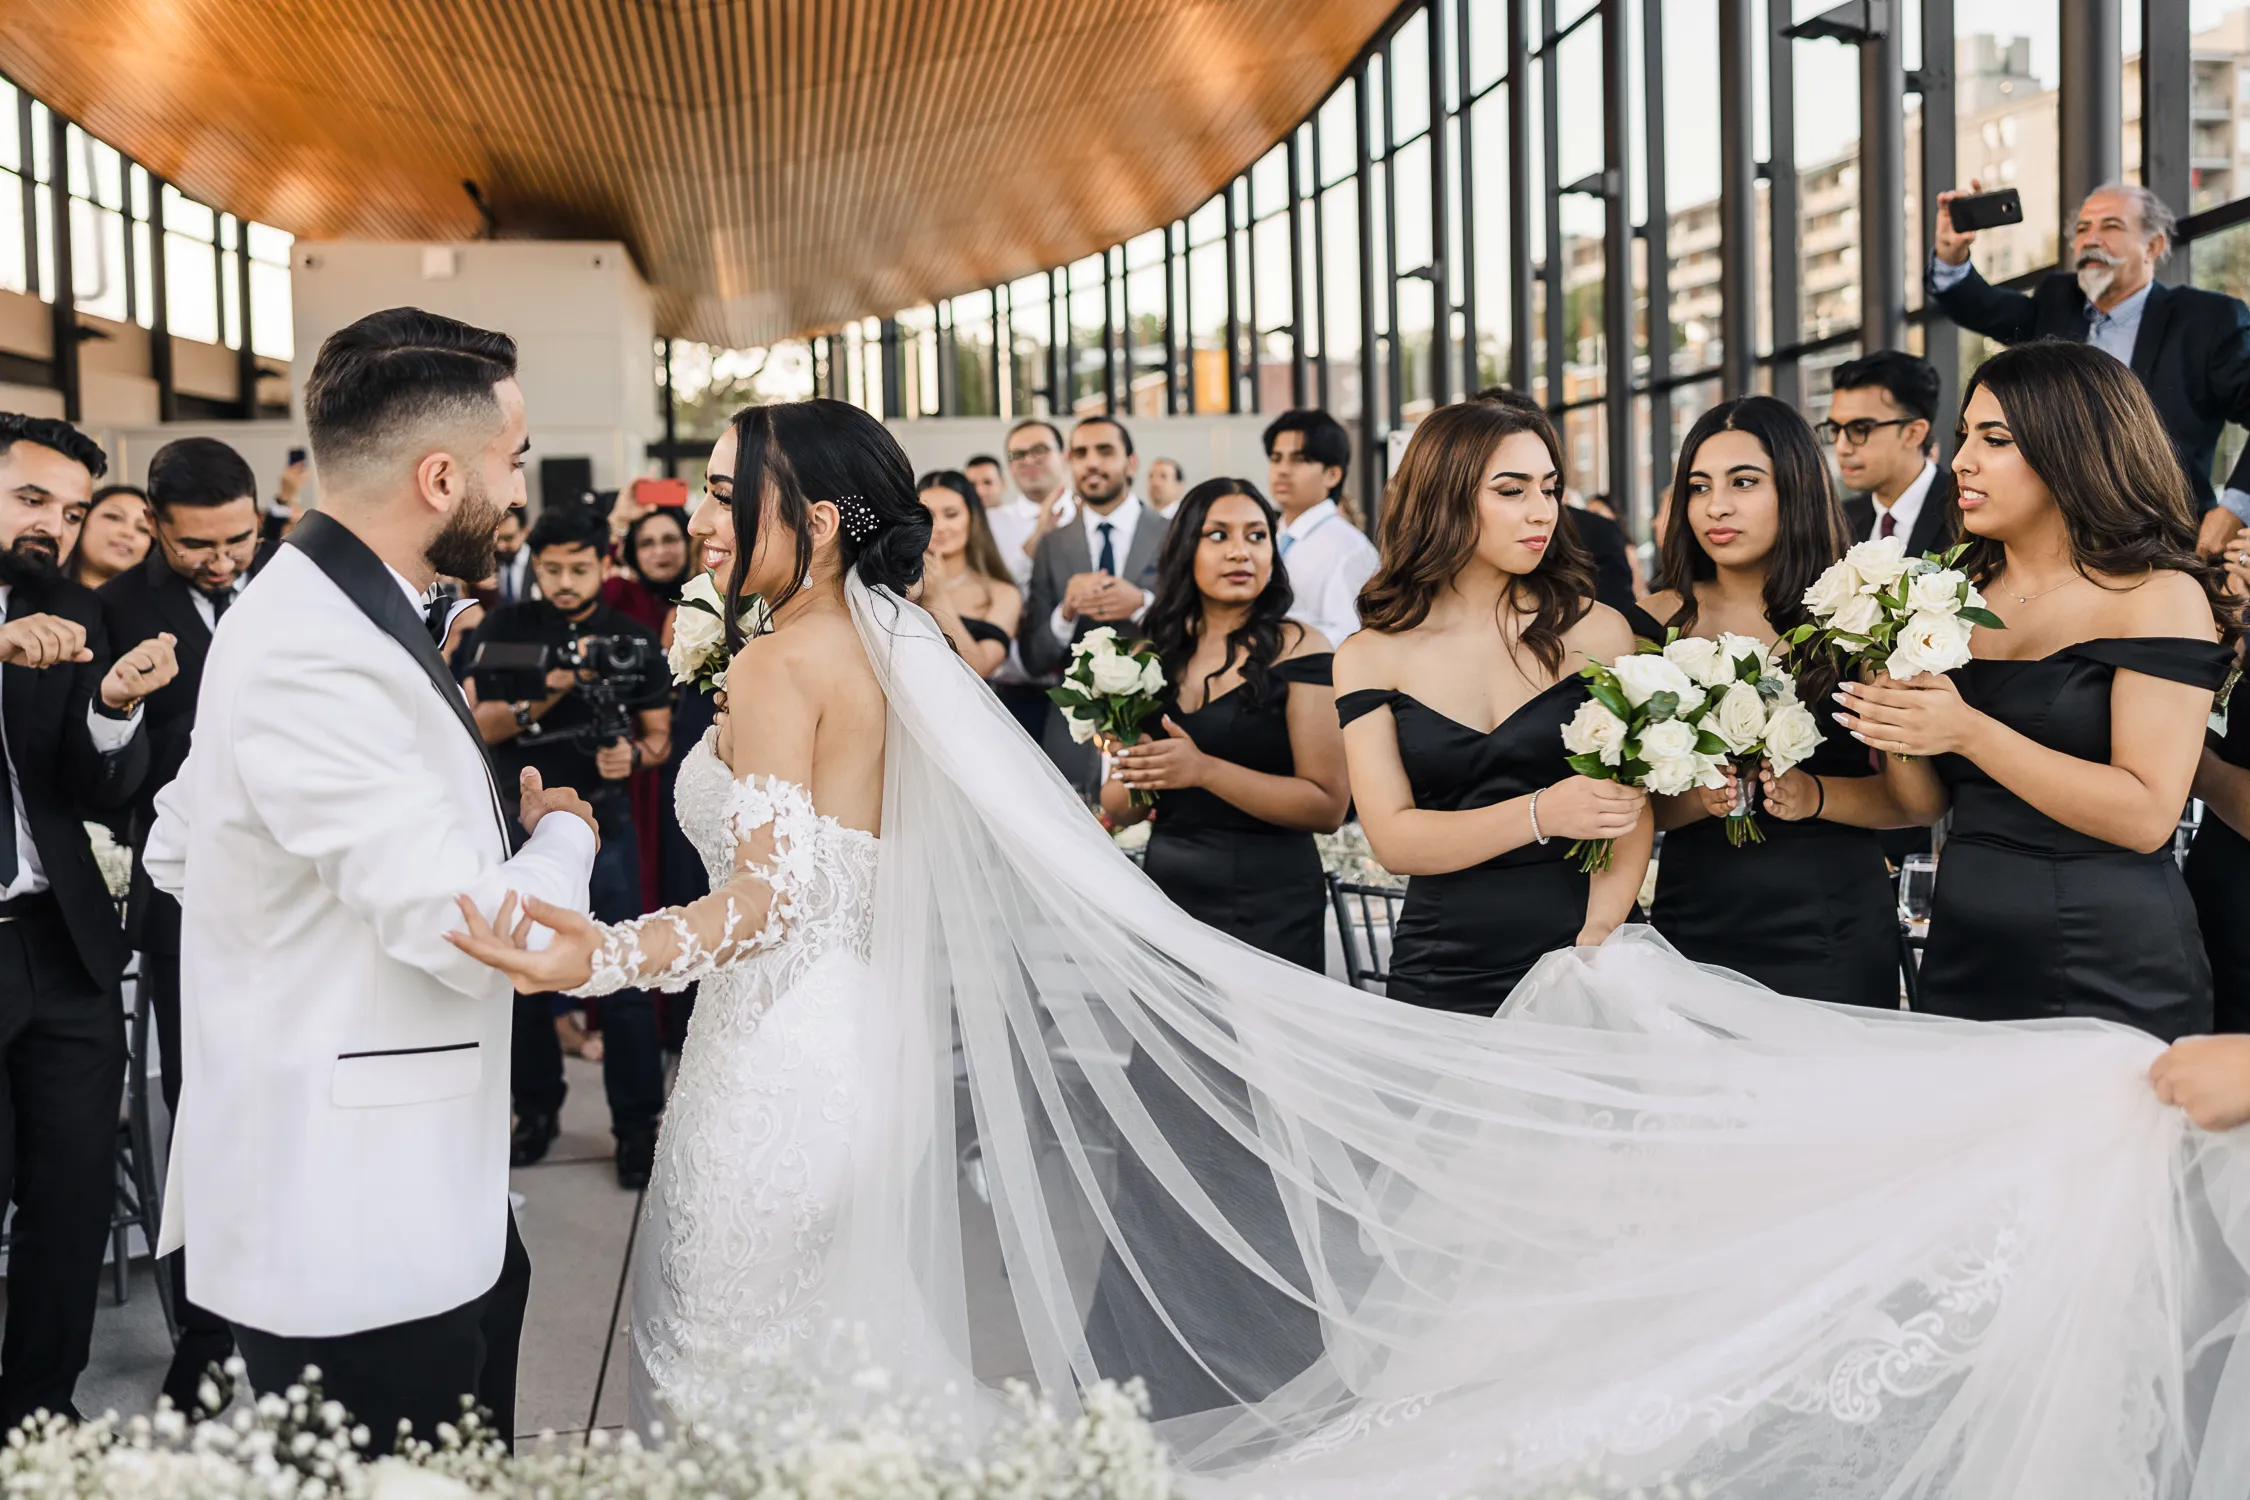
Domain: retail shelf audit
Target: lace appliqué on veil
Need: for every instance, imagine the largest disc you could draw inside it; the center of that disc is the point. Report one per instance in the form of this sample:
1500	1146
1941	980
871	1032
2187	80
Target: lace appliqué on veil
670	950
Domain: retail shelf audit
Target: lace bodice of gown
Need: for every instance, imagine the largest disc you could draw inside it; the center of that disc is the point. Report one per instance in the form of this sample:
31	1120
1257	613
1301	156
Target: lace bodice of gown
787	886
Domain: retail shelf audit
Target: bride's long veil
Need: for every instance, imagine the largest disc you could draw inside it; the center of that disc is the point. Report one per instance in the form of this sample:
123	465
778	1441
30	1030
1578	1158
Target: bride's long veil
1654	1217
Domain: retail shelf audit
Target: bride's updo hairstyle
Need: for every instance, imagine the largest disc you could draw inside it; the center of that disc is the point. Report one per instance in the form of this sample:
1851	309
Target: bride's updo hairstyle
1429	528
2086	426
809	451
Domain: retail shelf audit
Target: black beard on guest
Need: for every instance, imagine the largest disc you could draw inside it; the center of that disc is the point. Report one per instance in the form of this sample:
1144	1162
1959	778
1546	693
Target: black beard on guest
465	548
32	559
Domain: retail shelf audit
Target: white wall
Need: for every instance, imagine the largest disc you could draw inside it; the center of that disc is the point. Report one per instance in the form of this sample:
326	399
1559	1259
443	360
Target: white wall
578	310
1206	447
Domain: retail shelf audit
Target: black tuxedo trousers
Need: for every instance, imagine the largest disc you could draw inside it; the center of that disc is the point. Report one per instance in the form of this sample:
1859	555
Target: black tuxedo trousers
414	1372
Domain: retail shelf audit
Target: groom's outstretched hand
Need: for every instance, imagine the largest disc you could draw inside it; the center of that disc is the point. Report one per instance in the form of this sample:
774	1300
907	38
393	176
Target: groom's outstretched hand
505	943
538	799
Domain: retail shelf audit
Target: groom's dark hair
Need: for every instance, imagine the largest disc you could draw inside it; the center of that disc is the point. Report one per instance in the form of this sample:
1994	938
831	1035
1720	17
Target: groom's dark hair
398	376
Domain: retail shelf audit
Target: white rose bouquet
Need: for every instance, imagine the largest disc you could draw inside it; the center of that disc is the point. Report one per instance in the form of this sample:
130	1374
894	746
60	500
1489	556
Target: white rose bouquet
1645	723
698	652
1754	712
1907	615
1109	690
1890	612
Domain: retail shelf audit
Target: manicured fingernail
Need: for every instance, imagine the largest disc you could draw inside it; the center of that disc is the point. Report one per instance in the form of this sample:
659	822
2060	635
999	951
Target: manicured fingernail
1860	737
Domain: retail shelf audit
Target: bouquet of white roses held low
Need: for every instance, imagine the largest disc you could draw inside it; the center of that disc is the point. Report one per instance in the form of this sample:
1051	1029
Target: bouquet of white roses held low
1643	724
698	652
113	859
1907	615
1754	711
1109	691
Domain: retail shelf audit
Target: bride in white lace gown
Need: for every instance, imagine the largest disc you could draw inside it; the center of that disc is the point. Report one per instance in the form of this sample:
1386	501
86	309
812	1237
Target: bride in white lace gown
1651	1216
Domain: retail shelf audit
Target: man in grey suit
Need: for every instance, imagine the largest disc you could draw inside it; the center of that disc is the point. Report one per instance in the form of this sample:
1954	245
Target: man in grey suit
1098	569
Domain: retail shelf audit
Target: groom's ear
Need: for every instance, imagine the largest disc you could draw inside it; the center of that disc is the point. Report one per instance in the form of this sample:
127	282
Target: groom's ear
439	478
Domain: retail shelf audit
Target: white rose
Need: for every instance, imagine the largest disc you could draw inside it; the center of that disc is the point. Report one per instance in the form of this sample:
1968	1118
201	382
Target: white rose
1971	599
1936	592
1831	589
701	589
1860	614
1114	672
1930	642
1594	730
1705	661
1152	677
695	635
1792	735
1673	774
1645	674
1879	562
1740	718
1670	740
1082	727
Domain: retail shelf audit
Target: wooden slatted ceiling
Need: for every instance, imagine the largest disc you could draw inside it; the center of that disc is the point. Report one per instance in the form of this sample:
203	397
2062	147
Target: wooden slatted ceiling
776	166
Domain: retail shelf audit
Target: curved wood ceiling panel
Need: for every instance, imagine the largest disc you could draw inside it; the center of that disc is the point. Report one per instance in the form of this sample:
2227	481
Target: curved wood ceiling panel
776	166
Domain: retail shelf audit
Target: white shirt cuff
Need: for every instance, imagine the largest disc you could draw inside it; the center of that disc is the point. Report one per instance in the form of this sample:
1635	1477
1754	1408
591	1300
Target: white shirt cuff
568	828
2237	501
1059	625
111	735
1944	277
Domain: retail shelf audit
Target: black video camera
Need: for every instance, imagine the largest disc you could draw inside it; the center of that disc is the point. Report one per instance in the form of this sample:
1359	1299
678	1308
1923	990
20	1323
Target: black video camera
614	673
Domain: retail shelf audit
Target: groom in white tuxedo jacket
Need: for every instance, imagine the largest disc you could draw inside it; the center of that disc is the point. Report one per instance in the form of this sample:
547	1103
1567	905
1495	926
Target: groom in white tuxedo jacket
339	1167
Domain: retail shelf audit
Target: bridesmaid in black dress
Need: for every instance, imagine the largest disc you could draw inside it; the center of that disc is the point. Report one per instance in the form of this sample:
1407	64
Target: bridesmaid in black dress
1810	911
2067	748
2218	866
1453	699
1251	763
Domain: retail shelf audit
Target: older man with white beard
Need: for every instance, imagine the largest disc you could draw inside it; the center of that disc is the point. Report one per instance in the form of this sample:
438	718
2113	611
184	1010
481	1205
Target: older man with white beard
2190	347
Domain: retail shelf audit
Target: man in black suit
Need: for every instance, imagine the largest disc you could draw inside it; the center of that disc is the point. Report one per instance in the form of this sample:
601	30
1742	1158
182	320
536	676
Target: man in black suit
2190	347
1880	415
1096	569
71	723
203	500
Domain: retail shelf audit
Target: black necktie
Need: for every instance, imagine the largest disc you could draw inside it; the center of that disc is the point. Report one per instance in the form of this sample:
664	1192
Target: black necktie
1108	560
220	599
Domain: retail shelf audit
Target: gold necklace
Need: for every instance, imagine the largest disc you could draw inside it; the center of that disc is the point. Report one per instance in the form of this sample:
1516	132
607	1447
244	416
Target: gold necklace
2043	593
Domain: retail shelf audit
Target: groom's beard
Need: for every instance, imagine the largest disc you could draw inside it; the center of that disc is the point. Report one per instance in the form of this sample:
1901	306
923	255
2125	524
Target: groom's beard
465	548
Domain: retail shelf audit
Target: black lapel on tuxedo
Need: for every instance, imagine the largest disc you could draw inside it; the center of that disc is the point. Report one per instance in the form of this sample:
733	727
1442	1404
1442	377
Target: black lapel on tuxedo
168	593
353	567
2156	315
1859	517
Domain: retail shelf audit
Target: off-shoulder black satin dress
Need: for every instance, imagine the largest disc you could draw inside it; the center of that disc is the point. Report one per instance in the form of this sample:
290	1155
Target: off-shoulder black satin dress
2218	877
1251	879
1809	912
2031	918
1464	938
1262	883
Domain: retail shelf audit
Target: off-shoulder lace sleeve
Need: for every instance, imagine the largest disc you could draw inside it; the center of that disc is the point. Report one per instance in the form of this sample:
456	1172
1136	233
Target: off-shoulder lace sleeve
775	832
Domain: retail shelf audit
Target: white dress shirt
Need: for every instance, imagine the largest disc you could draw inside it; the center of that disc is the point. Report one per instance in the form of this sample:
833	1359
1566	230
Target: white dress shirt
1906	509
110	736
1329	562
1123	521
1013	521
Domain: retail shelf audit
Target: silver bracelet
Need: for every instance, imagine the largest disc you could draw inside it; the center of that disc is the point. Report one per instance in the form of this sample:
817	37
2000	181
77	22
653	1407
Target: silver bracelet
1536	836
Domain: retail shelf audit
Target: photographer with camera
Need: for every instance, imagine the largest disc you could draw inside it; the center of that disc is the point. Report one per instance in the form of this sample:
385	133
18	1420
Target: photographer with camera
580	691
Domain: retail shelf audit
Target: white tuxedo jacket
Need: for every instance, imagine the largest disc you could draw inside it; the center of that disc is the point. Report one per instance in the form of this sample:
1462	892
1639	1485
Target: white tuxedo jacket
340	1160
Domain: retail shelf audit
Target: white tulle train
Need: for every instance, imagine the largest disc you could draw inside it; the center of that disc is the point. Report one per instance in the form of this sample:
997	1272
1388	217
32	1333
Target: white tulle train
1652	1217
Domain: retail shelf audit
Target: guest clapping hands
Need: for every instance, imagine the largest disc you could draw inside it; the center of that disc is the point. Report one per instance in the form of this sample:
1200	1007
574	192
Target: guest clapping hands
1251	762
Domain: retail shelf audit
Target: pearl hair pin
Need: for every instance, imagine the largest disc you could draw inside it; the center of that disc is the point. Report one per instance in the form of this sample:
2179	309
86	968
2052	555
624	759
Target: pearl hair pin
859	518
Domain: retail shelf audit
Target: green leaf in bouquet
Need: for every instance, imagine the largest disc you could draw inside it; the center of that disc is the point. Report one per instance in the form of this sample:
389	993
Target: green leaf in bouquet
1609	696
1593	766
1632	770
1070	699
1951	555
1984	617
1662	706
1707	743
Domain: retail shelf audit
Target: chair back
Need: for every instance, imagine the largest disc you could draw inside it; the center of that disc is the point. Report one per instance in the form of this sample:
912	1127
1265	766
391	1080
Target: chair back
1366	915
